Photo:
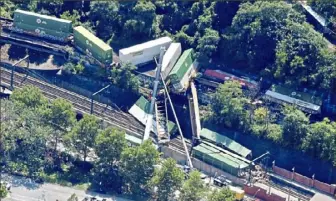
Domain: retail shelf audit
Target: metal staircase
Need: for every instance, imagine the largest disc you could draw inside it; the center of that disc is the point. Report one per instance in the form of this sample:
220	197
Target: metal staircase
161	119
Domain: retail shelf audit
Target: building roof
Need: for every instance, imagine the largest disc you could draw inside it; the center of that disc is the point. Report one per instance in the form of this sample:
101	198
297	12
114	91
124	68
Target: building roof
180	69
42	16
93	38
230	144
143	104
145	45
221	156
140	111
307	97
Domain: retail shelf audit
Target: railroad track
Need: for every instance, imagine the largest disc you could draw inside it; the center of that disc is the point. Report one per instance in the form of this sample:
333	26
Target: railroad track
113	116
110	115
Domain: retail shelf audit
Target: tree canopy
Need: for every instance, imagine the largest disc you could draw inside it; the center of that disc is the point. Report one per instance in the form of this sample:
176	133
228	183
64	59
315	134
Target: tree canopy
167	180
194	188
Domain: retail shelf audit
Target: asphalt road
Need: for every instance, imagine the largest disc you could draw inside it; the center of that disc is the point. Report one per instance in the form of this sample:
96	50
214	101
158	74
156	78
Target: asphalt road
24	189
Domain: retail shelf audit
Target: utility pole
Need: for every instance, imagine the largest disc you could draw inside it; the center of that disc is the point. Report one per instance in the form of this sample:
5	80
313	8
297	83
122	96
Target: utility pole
13	69
91	110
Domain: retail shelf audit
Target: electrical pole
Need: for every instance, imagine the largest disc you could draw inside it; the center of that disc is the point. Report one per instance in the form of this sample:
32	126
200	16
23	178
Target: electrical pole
13	68
102	89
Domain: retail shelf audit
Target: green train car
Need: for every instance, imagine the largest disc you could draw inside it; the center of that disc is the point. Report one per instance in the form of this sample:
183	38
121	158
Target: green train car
42	21
39	31
92	45
42	26
179	76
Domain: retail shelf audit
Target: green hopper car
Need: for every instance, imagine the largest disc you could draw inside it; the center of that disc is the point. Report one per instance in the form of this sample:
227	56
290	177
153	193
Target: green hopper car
92	45
42	21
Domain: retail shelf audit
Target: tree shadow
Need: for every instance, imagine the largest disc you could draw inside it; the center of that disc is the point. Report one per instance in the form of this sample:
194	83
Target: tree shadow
58	60
16	52
37	57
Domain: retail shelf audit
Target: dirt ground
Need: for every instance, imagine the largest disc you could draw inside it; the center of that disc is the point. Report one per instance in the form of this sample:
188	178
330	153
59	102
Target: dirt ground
37	60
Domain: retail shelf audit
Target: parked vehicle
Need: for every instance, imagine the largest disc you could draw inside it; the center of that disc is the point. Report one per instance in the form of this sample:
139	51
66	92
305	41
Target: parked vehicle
221	181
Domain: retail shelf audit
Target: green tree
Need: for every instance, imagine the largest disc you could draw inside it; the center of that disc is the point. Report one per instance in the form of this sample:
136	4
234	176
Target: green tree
124	78
295	126
28	142
255	31
73	197
193	189
110	143
28	96
61	116
50	7
104	16
228	106
321	140
223	194
74	17
207	44
300	59
3	191
137	167
82	137
167	180
140	21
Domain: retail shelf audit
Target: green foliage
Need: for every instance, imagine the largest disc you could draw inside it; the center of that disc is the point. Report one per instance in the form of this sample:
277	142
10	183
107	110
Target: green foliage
293	66
6	8
327	9
3	191
274	38
124	78
207	44
61	114
228	106
74	17
71	68
193	189
73	197
50	7
28	96
137	167
109	145
82	137
167	180
223	194
321	140
295	126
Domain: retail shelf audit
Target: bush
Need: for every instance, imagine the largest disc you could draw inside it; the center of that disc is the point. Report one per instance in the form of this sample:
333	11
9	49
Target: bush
3	191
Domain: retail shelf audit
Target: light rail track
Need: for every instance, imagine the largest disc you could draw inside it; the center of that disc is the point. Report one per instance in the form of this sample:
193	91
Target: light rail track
117	118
